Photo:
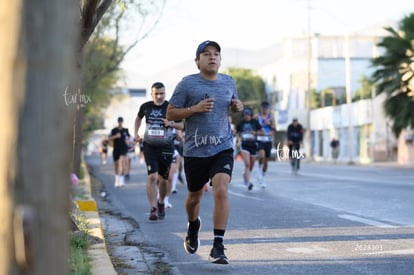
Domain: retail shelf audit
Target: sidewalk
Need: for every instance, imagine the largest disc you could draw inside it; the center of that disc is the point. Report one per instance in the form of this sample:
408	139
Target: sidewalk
123	248
100	261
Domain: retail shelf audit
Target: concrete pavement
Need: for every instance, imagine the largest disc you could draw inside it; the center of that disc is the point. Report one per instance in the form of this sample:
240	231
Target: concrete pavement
122	249
100	261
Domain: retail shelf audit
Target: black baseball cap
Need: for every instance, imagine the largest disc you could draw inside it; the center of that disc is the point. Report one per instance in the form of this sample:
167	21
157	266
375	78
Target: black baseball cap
248	111
201	48
265	105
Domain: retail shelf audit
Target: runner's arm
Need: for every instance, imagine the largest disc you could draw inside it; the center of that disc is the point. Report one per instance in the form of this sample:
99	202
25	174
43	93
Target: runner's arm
136	128
175	113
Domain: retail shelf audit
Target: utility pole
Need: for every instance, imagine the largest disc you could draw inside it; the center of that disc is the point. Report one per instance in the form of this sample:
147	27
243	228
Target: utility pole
349	97
309	86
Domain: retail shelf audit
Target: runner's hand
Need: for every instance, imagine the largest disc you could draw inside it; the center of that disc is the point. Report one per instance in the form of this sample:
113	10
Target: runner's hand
236	105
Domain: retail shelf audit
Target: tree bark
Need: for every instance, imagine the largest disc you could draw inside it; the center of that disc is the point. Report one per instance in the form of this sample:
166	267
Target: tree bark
91	13
10	77
35	151
79	116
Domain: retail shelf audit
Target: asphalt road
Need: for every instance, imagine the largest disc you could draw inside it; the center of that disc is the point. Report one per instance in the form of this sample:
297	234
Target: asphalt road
328	219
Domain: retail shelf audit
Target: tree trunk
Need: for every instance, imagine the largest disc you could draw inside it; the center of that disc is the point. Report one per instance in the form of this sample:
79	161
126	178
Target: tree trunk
77	140
35	147
10	77
79	116
91	13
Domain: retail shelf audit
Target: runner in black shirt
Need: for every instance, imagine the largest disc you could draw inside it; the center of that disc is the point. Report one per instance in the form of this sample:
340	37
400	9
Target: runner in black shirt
119	136
248	129
295	138
158	147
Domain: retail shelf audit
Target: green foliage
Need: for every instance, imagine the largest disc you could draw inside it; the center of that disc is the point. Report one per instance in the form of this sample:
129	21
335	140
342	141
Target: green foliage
130	20
401	109
101	74
394	75
326	97
79	241
80	262
365	91
315	101
250	88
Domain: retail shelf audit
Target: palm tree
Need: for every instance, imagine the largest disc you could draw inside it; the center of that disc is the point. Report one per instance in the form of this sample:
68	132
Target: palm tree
395	74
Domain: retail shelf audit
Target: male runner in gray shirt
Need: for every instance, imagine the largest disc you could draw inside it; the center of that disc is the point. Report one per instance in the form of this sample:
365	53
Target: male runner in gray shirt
204	100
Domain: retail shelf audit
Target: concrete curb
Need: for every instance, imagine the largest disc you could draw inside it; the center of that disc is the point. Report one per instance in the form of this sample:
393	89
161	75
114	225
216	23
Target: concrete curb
100	261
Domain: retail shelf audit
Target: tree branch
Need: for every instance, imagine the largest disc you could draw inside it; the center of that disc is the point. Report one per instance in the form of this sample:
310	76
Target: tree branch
91	14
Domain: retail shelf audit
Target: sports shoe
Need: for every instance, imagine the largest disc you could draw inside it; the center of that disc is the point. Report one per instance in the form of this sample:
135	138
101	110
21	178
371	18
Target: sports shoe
250	186
259	173
121	181
217	255
153	214
167	203
192	242
116	180
245	179
161	211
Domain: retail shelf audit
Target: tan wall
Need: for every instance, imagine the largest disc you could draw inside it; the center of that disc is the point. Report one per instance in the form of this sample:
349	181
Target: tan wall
405	151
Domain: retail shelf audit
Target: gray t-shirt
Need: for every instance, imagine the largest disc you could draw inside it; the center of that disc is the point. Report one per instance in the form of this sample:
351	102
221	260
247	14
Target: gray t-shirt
206	134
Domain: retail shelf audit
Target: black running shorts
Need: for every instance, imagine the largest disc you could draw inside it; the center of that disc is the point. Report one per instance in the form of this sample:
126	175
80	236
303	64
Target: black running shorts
116	154
267	147
199	171
158	160
250	147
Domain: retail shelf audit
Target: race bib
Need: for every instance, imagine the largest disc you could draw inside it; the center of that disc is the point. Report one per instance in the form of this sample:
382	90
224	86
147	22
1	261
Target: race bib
156	132
264	138
247	137
157	135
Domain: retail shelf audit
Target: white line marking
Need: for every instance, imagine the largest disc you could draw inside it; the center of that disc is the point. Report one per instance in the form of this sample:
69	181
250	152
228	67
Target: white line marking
366	221
244	196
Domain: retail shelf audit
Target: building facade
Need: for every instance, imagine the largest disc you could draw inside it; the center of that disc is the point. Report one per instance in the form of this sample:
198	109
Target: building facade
336	64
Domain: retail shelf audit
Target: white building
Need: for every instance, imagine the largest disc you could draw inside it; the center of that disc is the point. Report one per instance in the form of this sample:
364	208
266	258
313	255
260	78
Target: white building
336	63
289	71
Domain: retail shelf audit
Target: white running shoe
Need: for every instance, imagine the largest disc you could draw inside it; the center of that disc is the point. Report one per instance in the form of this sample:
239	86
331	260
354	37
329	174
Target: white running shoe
121	181
259	174
263	183
167	204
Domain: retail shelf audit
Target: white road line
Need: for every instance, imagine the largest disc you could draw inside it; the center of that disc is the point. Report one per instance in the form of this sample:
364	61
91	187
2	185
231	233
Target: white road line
244	196
366	221
347	178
